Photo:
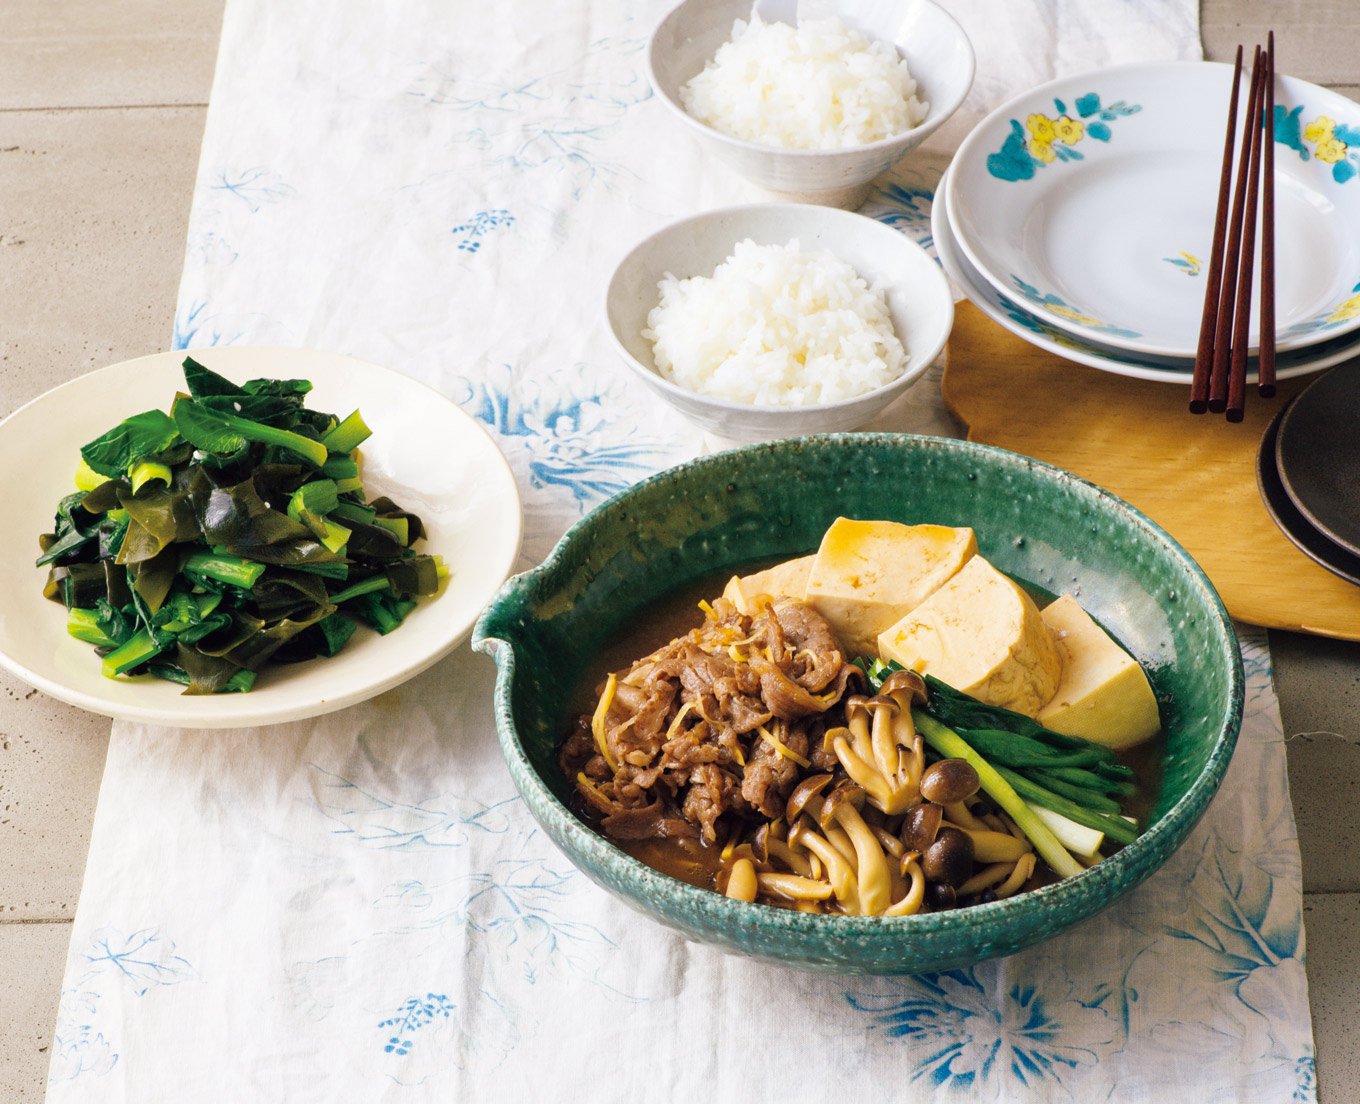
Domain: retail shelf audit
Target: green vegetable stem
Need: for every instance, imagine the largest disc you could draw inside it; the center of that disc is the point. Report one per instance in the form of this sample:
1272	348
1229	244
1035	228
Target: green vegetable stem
203	545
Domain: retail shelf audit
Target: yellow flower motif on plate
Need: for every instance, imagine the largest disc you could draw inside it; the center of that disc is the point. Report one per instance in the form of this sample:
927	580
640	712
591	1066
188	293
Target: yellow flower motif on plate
1041	127
1068	131
1319	130
1346	311
1042	151
1074	315
1332	150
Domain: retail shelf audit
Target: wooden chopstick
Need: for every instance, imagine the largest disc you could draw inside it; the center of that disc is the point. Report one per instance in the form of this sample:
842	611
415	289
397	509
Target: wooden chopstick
1237	372
1204	355
1218	375
1265	366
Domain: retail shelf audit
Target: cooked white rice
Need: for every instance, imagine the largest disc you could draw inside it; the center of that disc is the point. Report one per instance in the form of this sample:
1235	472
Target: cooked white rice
819	85
775	326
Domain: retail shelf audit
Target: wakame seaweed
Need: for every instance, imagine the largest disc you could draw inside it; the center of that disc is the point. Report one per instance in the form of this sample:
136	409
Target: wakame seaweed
203	544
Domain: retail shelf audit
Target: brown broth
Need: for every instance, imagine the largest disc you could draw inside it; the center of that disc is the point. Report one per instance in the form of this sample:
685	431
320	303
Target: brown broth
678	612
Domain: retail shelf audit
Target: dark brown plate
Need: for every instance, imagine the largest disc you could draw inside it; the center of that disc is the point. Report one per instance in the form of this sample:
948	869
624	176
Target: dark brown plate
1317	456
1292	523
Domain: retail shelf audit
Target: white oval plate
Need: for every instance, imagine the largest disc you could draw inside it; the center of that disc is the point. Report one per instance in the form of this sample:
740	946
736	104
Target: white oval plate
1040	333
425	453
1091	199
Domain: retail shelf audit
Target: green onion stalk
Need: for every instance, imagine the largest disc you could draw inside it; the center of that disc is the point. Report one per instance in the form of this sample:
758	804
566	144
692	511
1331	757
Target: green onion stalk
953	746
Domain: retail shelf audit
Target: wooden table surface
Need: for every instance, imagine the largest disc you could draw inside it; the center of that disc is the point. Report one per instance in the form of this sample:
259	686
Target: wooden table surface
102	105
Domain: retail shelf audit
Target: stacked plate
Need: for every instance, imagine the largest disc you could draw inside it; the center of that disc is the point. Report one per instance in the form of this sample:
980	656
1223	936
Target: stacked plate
1080	217
1306	468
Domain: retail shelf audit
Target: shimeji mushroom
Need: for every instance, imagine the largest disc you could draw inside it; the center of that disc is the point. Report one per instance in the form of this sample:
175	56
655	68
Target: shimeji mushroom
920	826
879	748
949	782
742	882
949	859
906	689
1024	869
990	847
941	896
873	884
770	848
958	813
986	878
793	887
839	873
910	904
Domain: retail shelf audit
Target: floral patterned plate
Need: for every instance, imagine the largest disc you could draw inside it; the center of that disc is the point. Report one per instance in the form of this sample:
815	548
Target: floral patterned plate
1091	201
1039	332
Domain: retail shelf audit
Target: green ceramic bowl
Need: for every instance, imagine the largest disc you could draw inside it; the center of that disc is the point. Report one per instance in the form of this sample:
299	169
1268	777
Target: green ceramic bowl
1035	522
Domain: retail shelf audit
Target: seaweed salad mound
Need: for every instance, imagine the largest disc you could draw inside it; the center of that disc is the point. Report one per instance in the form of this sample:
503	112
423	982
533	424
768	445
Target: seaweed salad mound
233	532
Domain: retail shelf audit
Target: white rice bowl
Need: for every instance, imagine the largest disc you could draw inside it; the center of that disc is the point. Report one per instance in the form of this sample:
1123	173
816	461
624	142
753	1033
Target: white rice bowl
775	326
820	85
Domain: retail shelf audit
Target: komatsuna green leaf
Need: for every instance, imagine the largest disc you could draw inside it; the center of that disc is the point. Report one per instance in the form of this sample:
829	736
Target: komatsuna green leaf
298	387
221	433
74	528
203	381
268	409
143	434
207	429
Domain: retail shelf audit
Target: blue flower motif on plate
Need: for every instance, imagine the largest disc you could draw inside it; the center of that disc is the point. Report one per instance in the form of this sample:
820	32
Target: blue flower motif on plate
1345	311
1043	139
1059	306
1324	138
1185	262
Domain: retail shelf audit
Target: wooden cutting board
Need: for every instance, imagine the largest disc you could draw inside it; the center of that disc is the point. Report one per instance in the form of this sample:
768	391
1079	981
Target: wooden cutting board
1196	477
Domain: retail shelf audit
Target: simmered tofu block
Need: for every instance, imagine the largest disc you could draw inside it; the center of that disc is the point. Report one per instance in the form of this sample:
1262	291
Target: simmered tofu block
1103	696
868	574
983	635
784	580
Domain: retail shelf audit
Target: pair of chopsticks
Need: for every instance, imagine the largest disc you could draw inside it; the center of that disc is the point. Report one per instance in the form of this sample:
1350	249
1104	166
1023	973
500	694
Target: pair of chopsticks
1219	383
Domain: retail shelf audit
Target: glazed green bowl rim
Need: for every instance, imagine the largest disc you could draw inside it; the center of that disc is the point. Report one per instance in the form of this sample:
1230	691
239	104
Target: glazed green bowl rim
1104	882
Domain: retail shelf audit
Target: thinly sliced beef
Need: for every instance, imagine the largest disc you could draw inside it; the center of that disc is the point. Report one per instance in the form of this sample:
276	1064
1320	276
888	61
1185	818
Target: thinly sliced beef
684	724
650	822
769	776
710	793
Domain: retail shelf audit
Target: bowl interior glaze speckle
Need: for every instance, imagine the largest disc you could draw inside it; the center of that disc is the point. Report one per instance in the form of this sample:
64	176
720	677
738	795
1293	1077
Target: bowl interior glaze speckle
1037	523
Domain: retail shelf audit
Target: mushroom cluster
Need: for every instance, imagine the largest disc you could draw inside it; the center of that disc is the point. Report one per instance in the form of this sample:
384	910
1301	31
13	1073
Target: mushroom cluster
884	835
